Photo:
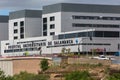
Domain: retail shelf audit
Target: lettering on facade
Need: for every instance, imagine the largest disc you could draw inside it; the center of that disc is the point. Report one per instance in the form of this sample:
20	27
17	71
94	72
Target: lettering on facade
36	45
63	42
14	46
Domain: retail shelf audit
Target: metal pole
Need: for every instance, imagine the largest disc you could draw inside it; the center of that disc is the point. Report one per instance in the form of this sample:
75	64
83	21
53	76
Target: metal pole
119	43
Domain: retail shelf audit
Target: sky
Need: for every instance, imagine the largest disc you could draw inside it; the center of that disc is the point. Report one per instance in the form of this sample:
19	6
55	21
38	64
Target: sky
7	6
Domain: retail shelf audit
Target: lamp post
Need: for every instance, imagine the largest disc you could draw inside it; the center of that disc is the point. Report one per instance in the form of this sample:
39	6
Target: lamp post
119	43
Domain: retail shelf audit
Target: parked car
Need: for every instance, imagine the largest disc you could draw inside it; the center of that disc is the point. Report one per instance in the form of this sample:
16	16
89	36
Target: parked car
101	57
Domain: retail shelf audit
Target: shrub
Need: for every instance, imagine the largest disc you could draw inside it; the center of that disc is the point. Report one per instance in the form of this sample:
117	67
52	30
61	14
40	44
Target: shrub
44	64
78	75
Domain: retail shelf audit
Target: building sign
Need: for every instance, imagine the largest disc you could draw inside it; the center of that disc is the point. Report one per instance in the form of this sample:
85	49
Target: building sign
32	45
98	50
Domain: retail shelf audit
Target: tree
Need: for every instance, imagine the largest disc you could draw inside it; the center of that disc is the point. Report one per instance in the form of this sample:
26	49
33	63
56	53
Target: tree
63	50
26	53
115	76
78	75
2	75
9	78
44	64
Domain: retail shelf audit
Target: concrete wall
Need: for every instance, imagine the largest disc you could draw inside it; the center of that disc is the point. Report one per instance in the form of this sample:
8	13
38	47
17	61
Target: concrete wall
12	66
28	65
33	27
7	67
3	31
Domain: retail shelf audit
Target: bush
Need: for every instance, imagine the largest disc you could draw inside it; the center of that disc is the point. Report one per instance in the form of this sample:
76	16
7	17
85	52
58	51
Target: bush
115	76
29	76
44	64
78	75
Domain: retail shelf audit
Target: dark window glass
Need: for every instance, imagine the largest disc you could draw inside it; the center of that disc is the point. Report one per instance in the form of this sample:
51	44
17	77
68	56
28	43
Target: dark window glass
52	18
52	33
82	34
21	36
111	34
22	30
22	23
61	36
15	31
99	34
52	26
44	20
7	44
44	27
44	33
90	34
15	24
15	37
95	25
72	35
95	17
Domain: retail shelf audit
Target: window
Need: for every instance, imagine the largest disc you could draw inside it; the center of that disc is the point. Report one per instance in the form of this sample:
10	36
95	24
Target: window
44	27
15	24
22	30
113	34
7	44
52	26
44	33
52	18
44	20
95	17
15	31
21	36
15	37
52	33
95	25
22	23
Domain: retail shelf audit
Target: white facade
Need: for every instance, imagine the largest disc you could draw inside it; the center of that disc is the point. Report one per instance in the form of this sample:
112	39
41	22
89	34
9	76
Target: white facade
25	24
32	28
56	22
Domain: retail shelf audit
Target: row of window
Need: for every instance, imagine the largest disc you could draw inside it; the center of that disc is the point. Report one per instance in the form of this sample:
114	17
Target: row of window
21	30
21	23
95	17
90	34
52	18
21	36
52	26
51	33
95	25
97	44
20	50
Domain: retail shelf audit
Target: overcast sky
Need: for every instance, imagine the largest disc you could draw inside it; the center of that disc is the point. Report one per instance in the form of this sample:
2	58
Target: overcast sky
8	5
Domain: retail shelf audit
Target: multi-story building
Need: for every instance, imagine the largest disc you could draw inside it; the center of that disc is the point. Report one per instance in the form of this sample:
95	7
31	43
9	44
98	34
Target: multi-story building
84	28
65	17
25	24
